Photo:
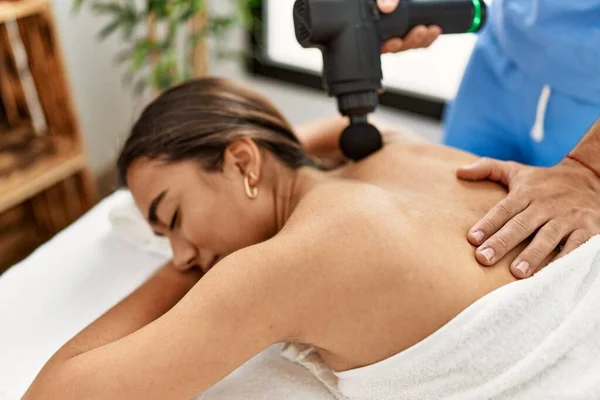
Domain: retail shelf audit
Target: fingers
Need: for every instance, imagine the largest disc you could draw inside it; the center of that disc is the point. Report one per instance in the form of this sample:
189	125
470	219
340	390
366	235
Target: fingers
419	37
416	38
387	6
433	32
542	245
496	218
486	168
575	240
514	232
393	46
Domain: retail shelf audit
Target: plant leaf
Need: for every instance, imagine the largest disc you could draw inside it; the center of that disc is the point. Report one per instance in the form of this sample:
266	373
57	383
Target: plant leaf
194	38
130	18
165	72
102	7
160	54
108	29
122	56
220	25
77	6
140	54
140	86
169	40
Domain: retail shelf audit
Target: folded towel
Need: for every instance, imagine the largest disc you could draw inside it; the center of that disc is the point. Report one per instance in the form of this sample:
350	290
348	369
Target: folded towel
308	357
537	338
129	224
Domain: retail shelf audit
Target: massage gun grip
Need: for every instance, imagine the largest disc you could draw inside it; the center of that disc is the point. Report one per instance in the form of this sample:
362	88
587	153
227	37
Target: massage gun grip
452	16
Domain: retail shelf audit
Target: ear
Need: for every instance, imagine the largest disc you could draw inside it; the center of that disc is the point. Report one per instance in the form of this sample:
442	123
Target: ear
245	156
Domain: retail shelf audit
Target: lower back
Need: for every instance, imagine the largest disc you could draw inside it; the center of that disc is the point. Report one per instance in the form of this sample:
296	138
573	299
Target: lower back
438	276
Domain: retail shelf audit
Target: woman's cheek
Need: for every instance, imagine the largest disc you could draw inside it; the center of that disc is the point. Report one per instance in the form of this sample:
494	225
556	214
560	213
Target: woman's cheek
190	232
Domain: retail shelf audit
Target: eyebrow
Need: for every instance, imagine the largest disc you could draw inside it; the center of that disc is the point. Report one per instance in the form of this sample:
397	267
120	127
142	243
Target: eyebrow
153	206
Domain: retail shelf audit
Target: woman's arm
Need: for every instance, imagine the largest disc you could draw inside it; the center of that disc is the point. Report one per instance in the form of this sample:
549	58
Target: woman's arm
143	348
320	139
151	300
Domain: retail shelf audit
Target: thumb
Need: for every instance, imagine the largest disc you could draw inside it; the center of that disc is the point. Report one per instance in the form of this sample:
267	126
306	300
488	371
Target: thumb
486	168
387	6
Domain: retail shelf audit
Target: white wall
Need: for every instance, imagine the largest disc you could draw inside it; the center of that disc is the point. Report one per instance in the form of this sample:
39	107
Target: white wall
106	108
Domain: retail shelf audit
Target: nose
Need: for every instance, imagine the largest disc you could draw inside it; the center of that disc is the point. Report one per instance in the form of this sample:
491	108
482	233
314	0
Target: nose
184	253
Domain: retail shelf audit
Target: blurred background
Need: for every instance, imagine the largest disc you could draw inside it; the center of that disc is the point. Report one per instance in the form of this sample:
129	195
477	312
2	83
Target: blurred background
75	74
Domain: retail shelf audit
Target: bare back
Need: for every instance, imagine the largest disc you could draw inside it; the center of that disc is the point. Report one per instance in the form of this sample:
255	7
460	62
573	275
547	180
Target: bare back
414	270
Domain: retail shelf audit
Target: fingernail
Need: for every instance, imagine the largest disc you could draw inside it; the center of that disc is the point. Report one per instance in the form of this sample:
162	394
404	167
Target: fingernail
386	3
478	236
488	253
523	266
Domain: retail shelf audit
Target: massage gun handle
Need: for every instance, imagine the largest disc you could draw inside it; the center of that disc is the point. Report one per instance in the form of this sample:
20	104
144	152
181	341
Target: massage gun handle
453	16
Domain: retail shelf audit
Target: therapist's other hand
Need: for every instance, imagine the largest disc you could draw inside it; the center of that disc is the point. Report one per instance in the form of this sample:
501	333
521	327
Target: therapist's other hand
561	205
419	37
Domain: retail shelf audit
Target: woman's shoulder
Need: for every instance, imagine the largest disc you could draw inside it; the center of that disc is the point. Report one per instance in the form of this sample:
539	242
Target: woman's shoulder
338	206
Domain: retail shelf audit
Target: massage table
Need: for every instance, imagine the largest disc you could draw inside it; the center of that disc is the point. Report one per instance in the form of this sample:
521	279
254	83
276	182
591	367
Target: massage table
78	275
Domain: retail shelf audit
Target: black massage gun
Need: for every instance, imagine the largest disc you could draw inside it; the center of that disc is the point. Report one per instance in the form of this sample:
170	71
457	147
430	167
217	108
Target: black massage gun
350	34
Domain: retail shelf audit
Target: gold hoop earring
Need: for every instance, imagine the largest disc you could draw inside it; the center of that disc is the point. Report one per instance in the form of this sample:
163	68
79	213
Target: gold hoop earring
251	192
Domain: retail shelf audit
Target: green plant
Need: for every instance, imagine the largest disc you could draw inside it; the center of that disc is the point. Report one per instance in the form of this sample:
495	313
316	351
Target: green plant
153	59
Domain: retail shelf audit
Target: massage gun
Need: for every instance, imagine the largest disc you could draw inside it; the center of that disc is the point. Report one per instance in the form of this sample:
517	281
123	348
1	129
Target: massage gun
350	34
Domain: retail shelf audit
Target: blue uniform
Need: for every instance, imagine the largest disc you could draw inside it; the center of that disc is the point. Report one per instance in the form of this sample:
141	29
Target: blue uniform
532	86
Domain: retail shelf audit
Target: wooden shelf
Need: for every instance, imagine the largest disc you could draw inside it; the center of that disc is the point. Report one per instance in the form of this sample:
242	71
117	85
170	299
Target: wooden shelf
21	185
13	10
45	181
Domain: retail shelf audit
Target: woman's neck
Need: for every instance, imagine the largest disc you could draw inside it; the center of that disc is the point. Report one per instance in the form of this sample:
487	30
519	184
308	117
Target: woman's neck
289	189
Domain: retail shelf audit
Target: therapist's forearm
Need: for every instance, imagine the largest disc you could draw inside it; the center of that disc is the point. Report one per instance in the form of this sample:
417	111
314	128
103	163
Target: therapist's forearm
588	150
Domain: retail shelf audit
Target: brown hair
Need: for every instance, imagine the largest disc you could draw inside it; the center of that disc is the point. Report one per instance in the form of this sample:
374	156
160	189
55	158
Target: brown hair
199	119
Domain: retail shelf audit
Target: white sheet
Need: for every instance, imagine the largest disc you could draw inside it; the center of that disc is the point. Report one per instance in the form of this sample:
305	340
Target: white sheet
82	272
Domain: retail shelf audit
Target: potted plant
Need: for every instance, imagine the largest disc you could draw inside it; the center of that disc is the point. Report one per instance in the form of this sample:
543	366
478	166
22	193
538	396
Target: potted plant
152	33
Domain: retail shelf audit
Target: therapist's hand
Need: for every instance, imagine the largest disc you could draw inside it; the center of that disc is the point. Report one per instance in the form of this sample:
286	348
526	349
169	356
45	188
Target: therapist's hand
419	37
561	205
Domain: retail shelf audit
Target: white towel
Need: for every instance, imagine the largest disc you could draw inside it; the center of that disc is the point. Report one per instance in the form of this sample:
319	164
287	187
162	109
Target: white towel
538	338
308	357
129	224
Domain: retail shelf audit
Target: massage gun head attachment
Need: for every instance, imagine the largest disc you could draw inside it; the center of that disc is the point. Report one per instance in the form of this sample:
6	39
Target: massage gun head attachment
360	139
350	34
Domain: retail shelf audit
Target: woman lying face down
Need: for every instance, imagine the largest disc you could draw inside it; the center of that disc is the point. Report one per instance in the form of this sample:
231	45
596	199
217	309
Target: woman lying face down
215	168
361	262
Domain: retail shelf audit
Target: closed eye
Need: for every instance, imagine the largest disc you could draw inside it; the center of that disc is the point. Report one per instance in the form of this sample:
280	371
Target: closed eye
174	220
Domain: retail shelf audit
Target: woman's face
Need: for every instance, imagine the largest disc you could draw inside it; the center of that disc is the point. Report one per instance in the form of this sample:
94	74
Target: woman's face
205	215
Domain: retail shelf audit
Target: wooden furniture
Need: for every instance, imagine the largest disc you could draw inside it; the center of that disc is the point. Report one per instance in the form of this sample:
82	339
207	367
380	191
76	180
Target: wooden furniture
45	180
